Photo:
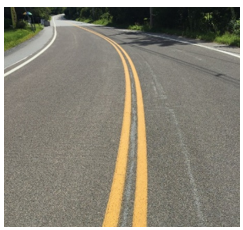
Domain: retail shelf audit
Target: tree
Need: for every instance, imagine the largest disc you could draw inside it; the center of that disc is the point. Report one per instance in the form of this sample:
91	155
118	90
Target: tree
193	19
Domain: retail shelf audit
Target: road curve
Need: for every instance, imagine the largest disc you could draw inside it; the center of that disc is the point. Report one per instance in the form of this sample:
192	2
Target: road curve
64	113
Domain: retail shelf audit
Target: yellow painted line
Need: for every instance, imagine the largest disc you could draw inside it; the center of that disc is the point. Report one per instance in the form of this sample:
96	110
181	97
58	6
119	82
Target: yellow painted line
140	203
115	199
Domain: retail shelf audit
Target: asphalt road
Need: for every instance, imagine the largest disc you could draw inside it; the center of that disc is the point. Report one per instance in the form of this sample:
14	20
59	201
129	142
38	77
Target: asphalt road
63	122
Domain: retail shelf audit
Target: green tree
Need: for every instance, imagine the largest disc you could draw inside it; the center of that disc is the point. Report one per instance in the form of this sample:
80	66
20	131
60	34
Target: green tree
193	19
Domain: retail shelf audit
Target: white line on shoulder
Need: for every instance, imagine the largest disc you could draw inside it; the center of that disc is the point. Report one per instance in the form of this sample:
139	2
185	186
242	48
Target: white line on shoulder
186	42
34	57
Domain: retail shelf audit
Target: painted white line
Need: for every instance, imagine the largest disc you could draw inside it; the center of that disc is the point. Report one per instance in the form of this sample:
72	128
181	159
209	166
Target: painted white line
190	43
17	61
38	54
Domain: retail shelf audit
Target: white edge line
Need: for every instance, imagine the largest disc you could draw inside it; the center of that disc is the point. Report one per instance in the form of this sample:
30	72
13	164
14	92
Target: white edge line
34	57
186	42
17	61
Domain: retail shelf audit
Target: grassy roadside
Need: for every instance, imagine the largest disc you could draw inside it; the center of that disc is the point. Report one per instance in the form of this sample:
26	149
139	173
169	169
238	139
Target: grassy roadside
13	37
227	38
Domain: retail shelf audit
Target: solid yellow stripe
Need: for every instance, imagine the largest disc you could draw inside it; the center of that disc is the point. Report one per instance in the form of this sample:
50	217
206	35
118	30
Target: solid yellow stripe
140	203
115	199
113	209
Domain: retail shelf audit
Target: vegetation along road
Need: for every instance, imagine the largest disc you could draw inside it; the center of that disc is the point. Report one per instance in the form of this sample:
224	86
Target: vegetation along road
111	127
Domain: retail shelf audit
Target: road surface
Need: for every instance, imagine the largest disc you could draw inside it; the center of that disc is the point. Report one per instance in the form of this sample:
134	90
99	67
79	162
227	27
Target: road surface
110	127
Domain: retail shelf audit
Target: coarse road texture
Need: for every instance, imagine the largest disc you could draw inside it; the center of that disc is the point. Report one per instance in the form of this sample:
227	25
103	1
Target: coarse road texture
63	119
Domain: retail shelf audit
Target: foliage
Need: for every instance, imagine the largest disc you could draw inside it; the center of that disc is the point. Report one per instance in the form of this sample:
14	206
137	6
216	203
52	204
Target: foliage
209	22
7	23
106	16
37	12
72	12
129	15
229	39
57	10
205	19
196	22
236	27
105	19
85	12
13	37
21	24
41	12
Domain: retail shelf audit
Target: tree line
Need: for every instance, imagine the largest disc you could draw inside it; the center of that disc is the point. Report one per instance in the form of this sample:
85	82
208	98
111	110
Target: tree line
37	12
202	19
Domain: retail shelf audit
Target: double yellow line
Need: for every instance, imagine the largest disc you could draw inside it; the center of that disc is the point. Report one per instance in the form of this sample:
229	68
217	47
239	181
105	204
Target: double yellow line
113	209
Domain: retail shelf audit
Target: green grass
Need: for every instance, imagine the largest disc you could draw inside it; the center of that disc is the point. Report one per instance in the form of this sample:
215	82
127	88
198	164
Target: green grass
229	39
136	27
101	21
13	37
87	20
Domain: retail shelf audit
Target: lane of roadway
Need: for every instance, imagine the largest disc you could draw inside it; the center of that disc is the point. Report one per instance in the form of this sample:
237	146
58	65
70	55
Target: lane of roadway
63	120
